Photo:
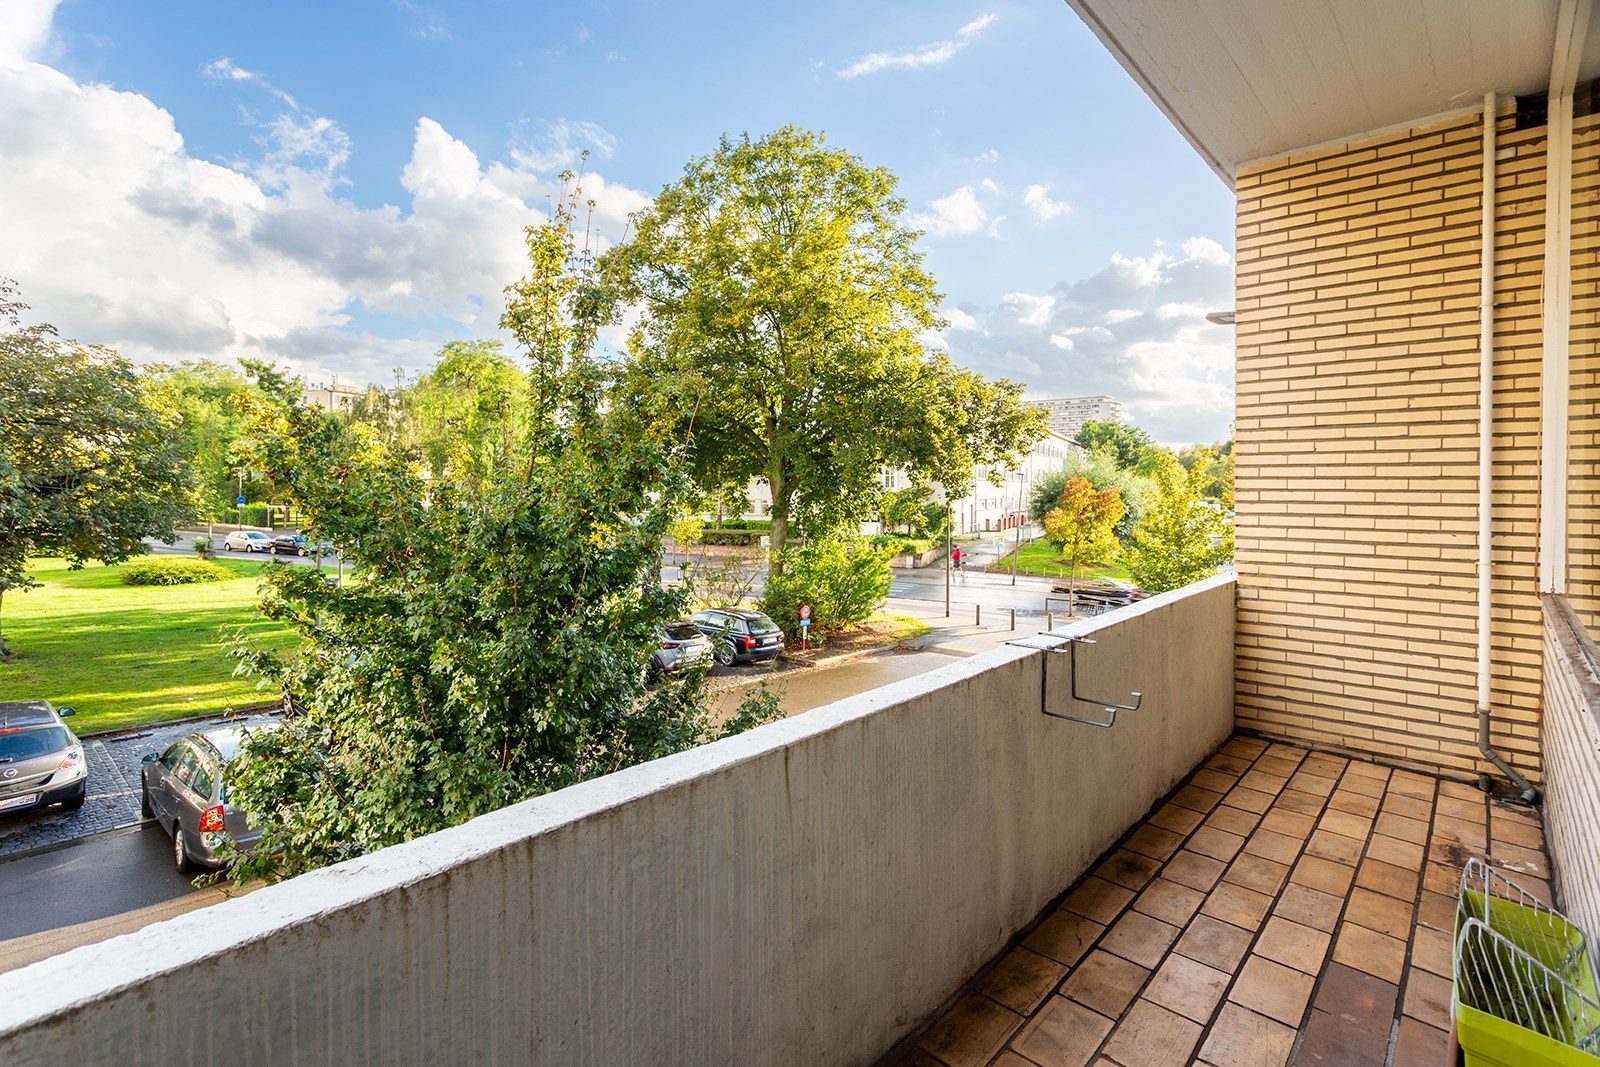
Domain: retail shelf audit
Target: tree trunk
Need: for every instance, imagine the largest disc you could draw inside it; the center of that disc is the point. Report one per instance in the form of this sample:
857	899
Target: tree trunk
778	535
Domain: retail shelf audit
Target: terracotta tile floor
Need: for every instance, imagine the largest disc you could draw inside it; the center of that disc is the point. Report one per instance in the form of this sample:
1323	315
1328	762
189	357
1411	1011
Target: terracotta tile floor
1281	906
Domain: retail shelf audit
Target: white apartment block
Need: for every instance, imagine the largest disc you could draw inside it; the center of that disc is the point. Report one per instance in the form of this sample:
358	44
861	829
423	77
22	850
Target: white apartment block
1067	415
987	507
334	397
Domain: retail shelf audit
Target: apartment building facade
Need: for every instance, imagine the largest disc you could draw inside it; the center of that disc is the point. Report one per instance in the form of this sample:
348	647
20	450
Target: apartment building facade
1066	416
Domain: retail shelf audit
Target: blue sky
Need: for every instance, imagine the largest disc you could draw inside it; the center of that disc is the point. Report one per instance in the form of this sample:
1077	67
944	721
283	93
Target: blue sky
341	186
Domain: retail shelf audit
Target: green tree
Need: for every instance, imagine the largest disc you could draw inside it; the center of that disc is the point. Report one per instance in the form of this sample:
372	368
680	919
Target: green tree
208	400
90	463
785	303
1183	536
1101	469
1135	449
843	581
1219	466
495	645
903	510
469	412
1082	526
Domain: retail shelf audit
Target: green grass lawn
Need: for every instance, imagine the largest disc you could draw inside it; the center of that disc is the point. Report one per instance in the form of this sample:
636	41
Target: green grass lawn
1040	558
124	655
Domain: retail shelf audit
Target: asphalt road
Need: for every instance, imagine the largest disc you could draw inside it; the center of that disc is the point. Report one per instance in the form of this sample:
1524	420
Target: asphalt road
89	891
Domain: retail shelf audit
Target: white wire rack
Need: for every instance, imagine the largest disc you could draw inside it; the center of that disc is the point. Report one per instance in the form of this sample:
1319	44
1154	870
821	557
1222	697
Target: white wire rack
1497	978
1523	964
1533	924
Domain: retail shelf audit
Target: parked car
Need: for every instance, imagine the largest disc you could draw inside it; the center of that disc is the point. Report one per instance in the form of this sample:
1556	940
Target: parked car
682	647
41	761
185	790
739	635
297	545
247	541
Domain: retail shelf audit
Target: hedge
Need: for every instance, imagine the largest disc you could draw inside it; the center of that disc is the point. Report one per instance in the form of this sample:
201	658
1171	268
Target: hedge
732	537
176	570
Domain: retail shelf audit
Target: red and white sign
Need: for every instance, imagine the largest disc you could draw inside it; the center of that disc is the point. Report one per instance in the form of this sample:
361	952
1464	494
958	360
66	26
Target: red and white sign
805	611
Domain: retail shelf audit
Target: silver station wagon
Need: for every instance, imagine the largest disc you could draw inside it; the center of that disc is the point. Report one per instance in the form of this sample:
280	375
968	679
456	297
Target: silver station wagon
185	789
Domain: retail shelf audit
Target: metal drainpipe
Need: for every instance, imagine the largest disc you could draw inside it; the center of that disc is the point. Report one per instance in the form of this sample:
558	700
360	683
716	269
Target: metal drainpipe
1486	448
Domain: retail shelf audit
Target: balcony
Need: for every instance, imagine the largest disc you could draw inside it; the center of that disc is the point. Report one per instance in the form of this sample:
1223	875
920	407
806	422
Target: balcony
938	872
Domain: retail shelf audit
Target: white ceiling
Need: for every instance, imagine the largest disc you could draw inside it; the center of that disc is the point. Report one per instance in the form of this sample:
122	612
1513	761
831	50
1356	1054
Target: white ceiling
1251	79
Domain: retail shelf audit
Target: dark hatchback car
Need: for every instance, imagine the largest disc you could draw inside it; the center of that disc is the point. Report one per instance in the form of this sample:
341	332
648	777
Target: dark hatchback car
297	545
41	761
185	790
738	635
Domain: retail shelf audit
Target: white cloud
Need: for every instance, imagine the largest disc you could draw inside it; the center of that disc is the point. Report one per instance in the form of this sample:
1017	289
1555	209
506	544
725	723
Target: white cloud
28	28
988	155
426	23
958	319
931	55
560	146
1205	250
1029	310
119	235
1038	198
225	69
1130	329
958	212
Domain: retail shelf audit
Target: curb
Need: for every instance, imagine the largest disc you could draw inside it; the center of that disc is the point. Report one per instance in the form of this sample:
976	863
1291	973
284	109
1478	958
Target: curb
121	732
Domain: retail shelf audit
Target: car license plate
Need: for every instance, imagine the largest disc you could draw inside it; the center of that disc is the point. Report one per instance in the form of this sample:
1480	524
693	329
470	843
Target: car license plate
18	802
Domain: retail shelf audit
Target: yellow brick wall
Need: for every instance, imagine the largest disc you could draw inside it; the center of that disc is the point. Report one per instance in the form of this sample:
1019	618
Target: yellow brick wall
1357	437
1583	544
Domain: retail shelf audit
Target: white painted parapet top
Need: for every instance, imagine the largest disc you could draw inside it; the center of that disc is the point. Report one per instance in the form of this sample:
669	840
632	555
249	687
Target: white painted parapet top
804	893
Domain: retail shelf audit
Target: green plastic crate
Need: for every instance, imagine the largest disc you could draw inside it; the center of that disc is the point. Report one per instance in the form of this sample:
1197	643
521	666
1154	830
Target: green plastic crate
1524	989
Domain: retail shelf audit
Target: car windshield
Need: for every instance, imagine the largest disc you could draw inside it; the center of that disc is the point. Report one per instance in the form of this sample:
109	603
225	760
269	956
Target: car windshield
762	625
26	744
682	631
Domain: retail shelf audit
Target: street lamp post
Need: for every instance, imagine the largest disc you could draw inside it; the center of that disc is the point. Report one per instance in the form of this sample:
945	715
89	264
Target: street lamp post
949	527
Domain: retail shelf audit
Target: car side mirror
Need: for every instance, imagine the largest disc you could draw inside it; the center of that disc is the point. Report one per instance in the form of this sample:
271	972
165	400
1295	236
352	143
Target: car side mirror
64	712
150	757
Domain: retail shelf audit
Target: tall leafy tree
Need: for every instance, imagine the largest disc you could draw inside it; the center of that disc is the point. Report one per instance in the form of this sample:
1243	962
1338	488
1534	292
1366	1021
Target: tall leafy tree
1083	526
495	644
90	463
1100	467
469	411
208	400
785	302
1184	536
1135	449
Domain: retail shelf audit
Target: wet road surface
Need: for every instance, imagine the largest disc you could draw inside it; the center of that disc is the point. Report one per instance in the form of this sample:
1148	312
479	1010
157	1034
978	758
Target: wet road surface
87	892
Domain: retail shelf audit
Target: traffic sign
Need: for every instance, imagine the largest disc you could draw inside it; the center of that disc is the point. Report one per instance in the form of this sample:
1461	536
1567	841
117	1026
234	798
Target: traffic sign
805	624
239	501
805	612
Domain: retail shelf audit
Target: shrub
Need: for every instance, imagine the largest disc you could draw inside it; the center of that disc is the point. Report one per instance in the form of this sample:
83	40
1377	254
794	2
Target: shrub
174	570
844	582
901	543
731	537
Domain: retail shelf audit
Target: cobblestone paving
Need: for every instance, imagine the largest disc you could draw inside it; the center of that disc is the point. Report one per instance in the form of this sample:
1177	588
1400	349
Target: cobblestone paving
113	799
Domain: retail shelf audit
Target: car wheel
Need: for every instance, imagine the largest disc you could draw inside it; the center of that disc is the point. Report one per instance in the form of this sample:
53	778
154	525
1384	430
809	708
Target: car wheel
144	802
74	803
726	656
302	552
180	851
